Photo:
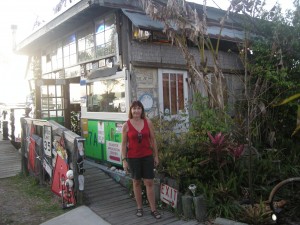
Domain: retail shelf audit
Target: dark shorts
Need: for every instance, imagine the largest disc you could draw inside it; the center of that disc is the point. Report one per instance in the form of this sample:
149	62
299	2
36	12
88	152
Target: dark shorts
141	167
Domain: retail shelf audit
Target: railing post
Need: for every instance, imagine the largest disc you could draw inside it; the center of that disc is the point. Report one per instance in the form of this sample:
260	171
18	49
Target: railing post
24	168
12	124
5	130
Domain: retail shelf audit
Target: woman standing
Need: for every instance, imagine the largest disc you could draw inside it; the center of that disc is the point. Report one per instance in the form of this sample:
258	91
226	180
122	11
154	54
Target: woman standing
140	155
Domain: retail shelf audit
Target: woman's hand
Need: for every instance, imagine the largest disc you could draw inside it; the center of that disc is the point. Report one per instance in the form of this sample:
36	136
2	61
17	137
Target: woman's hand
125	166
156	161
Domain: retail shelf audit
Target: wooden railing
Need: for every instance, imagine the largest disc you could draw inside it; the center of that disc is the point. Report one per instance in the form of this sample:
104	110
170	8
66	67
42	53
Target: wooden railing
41	143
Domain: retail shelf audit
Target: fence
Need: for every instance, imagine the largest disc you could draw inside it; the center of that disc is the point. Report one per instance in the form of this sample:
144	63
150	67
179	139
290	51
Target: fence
10	125
54	154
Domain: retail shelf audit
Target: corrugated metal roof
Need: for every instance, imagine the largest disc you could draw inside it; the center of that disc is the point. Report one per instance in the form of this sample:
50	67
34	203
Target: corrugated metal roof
143	21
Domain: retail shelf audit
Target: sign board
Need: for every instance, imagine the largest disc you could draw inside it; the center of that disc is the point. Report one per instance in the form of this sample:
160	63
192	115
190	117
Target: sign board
47	139
47	167
168	195
113	151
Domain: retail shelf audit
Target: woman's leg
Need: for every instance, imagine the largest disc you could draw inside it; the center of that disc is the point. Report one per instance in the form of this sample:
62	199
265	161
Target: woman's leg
149	183
137	190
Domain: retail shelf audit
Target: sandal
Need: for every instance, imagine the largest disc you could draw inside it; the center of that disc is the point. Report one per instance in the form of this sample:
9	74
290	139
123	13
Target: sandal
139	212
156	214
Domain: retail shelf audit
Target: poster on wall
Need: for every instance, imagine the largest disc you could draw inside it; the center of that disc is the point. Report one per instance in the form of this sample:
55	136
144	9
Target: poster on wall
101	134
119	128
113	150
47	139
84	127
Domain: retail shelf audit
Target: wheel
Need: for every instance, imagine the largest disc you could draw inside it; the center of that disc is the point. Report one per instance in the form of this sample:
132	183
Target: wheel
285	201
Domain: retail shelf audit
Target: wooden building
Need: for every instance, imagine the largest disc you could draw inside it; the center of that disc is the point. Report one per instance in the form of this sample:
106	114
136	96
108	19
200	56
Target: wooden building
96	56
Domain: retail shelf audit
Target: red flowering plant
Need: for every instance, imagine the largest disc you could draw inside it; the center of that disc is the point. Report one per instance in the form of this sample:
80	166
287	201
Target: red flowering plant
222	151
237	151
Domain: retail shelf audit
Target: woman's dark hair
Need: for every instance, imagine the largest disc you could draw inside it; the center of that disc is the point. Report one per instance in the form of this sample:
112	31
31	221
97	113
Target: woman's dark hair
134	104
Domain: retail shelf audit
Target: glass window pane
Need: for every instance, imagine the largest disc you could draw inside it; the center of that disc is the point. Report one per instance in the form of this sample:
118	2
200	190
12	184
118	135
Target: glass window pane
51	90
73	48
66	51
73	59
54	62
173	94
109	35
52	113
100	39
60	113
59	63
81	44
44	91
52	103
60	103
45	114
90	41
59	91
180	91
109	22
66	61
74	93
106	96
100	27
166	95
44	103
59	52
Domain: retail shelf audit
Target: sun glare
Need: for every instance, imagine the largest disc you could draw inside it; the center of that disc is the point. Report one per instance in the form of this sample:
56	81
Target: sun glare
13	87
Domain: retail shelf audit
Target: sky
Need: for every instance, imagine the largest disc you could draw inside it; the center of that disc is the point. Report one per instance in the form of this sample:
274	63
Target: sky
24	13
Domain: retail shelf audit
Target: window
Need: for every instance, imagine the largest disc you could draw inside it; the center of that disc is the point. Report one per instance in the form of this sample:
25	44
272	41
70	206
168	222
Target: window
52	102
57	59
86	46
52	60
74	93
107	95
69	51
173	92
46	63
105	34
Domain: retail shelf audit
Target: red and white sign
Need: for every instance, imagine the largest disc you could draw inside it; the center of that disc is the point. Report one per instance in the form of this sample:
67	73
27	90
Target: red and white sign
168	195
113	151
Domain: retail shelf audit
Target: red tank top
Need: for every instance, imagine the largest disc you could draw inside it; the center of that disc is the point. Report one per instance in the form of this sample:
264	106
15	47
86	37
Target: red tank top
138	147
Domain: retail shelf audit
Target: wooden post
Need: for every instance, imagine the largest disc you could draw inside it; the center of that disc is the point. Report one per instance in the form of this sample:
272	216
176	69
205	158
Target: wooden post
157	189
187	206
200	207
5	130
24	168
179	209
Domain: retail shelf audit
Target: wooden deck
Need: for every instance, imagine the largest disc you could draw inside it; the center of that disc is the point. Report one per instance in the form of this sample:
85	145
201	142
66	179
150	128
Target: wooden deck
107	198
10	159
111	201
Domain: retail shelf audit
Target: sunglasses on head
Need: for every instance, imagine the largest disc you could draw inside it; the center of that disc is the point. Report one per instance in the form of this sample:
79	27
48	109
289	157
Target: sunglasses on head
140	136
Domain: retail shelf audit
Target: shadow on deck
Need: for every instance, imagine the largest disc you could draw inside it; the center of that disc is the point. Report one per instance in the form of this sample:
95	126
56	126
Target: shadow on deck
111	201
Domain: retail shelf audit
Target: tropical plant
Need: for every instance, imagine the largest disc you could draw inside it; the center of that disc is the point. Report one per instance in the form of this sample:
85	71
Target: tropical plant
287	100
257	214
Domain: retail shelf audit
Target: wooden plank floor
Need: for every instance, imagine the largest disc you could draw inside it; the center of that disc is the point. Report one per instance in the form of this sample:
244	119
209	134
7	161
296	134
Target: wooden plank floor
104	196
10	159
111	201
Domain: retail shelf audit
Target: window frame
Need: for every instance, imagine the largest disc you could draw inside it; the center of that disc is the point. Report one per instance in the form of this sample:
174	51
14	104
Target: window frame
109	115
49	100
106	48
180	113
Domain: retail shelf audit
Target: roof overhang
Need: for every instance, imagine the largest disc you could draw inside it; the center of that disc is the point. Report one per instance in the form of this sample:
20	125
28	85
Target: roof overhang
144	22
79	14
